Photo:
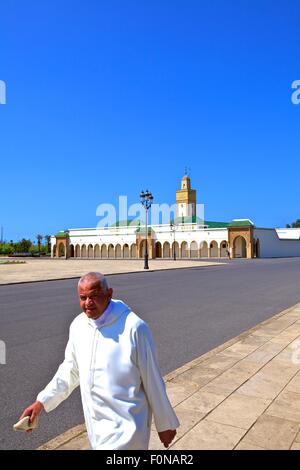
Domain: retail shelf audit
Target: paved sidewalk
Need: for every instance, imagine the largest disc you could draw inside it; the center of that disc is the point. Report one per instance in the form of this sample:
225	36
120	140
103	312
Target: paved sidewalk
51	269
244	394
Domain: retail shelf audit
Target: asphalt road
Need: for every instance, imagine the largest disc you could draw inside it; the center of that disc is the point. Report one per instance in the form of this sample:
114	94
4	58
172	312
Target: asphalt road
190	312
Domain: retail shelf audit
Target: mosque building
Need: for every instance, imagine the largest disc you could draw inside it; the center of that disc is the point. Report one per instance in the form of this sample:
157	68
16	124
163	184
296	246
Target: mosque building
186	237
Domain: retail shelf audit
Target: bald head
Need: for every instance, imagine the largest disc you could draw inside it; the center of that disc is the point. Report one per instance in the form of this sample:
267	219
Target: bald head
97	279
94	294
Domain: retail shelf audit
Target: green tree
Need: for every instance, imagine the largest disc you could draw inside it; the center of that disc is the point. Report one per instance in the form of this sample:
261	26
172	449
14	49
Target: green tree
23	246
39	239
6	249
294	224
48	241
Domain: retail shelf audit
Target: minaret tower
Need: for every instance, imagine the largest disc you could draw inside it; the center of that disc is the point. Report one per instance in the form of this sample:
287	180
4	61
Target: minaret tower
186	199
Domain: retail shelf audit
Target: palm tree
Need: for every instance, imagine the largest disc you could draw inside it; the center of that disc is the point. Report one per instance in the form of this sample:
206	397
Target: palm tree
48	241
39	239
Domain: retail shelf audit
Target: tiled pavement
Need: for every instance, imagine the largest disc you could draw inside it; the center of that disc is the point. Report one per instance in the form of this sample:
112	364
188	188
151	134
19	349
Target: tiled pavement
50	269
244	394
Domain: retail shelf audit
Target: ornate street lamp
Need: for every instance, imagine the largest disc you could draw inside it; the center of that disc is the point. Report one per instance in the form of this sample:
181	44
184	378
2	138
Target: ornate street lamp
173	228
146	199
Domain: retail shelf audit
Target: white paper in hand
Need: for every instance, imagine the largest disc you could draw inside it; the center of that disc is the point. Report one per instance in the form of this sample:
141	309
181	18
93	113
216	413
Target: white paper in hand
24	424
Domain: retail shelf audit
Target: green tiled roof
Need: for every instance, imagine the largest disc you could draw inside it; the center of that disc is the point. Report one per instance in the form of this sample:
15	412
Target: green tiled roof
126	223
142	229
241	223
216	224
61	234
187	220
194	219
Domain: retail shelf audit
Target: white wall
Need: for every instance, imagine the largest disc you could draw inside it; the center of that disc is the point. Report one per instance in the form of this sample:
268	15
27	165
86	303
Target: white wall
161	233
189	233
273	242
271	246
288	233
102	236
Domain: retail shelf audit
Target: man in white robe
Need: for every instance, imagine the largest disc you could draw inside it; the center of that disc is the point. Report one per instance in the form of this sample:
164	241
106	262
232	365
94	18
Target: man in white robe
110	354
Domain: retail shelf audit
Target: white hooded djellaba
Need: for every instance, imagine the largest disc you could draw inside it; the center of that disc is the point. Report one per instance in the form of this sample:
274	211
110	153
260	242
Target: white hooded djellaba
114	361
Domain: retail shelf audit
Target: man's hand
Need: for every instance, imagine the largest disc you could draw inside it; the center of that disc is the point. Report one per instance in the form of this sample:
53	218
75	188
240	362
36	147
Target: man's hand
33	411
167	436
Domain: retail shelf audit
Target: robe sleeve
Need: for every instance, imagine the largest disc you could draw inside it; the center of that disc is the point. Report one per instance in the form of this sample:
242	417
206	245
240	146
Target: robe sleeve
64	381
154	386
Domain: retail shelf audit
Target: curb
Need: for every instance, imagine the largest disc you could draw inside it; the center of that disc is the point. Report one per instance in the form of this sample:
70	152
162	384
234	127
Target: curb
114	274
76	431
63	438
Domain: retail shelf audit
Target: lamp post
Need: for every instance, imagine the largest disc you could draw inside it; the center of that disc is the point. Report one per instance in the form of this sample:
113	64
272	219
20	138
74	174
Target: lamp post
146	199
173	227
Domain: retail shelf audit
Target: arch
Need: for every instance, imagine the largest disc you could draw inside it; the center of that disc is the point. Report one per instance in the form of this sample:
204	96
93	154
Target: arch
239	247
90	251
77	251
176	249
142	249
158	250
213	246
133	251
111	251
166	250
118	251
194	250
54	251
203	249
125	251
184	250
224	249
61	250
103	251
256	248
97	251
71	251
83	251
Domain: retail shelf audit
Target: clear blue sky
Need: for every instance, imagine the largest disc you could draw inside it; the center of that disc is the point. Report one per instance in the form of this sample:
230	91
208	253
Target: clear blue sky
111	97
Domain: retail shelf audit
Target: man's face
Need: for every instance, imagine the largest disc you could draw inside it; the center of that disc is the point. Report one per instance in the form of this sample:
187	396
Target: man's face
93	301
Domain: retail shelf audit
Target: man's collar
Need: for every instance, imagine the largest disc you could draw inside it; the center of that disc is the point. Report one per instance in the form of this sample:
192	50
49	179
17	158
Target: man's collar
102	319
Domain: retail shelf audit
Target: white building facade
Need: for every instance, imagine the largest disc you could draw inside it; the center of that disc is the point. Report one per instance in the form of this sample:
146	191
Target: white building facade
186	238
